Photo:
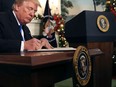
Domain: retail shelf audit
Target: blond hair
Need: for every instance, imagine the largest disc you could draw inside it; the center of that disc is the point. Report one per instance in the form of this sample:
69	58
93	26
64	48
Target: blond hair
19	2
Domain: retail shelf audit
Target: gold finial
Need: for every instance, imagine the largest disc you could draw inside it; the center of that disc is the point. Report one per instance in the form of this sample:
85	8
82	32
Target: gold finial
108	2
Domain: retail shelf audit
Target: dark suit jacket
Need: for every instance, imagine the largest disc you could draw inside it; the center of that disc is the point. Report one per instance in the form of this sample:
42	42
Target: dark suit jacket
10	36
6	5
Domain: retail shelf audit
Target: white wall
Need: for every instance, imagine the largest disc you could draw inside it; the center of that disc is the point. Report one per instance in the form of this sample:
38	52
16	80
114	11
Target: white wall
34	27
80	5
55	5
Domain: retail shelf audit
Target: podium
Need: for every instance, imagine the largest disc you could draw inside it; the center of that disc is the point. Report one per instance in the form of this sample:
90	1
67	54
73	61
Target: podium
84	30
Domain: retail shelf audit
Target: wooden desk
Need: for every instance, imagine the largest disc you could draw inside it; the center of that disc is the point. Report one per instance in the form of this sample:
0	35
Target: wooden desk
35	69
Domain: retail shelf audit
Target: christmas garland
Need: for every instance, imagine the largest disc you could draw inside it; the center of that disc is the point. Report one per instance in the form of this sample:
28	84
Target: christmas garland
56	25
113	10
110	7
59	29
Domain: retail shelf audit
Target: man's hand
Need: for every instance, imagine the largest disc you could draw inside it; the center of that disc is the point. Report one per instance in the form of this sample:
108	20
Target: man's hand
45	43
32	44
35	44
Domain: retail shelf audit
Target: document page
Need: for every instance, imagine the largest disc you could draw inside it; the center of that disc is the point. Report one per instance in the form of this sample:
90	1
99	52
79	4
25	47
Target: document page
57	49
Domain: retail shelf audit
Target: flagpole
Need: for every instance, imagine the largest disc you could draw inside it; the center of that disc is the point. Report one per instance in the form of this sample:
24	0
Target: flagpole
94	5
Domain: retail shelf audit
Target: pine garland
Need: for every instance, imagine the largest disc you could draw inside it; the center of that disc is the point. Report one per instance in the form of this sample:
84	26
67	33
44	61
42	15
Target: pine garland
111	6
59	28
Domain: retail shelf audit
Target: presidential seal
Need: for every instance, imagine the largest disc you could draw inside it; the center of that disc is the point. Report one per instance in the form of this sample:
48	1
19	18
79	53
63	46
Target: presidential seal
103	23
82	65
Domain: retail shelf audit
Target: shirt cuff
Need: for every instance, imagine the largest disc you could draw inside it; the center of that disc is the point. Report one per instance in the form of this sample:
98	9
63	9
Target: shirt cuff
22	46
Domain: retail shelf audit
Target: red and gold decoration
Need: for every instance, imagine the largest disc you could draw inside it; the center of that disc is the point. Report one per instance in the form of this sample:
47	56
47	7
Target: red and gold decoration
56	25
111	6
59	29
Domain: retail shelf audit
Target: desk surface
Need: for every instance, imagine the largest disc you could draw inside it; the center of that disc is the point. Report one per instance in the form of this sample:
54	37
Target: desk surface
40	58
35	58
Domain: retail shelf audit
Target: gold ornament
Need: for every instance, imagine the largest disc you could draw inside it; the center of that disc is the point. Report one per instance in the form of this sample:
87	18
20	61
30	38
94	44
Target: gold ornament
61	25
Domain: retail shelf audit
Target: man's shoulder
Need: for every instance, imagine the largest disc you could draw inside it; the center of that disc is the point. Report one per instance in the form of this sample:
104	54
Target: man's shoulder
5	15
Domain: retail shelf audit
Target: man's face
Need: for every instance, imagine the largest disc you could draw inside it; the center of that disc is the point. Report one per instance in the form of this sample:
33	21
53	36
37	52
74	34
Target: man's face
26	12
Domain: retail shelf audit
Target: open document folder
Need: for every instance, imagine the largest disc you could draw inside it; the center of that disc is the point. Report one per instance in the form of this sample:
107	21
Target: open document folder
56	49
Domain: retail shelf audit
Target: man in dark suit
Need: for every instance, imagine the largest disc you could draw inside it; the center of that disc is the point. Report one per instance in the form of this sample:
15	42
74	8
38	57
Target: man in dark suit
11	34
